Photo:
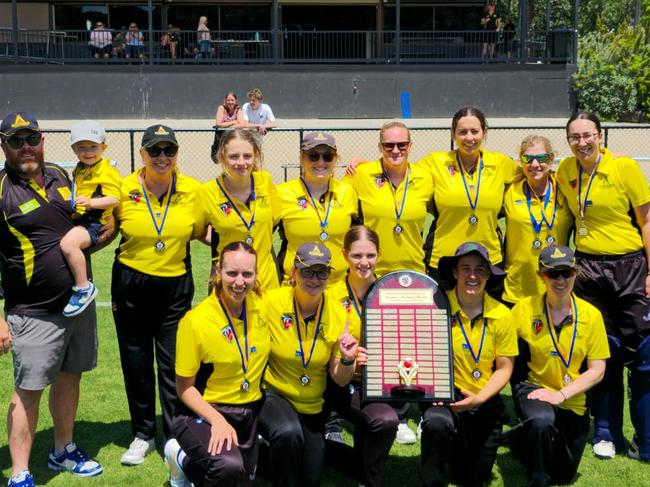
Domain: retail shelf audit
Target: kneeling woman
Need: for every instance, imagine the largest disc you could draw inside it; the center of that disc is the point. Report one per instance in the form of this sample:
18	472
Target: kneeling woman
464	434
558	334
228	331
308	336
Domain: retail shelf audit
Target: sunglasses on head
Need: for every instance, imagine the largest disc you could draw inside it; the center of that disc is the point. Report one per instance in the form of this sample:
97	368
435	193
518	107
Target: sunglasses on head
389	146
565	273
544	158
320	274
315	156
156	150
17	142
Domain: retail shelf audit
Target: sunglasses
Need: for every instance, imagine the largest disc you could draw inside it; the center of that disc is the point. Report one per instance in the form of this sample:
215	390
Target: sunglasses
565	273
389	146
315	156
544	158
321	274
156	150
17	142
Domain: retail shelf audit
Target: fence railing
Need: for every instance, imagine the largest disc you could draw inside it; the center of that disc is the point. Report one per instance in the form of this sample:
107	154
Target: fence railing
281	146
223	47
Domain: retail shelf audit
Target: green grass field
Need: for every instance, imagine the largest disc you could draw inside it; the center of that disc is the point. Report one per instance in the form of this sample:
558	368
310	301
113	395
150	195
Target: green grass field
103	422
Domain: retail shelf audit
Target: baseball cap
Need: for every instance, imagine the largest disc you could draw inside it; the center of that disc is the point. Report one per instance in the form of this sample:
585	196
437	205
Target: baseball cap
312	253
312	140
556	257
158	133
87	130
15	122
447	264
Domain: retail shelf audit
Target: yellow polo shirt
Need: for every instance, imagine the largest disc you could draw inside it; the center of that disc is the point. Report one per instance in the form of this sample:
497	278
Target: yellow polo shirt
137	247
451	226
617	185
521	257
100	179
299	222
213	208
500	341
377	203
545	368
285	366
205	336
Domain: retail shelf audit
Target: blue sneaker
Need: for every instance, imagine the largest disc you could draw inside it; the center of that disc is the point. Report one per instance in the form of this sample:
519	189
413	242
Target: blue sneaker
80	299
22	479
74	460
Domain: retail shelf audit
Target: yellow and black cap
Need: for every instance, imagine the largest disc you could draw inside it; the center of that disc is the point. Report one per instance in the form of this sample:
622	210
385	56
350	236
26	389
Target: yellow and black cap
557	257
312	253
158	133
15	122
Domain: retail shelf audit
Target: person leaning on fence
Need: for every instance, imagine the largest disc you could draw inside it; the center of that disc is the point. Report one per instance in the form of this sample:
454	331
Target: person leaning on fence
101	42
464	435
152	285
228	116
47	347
258	116
610	201
563	348
215	433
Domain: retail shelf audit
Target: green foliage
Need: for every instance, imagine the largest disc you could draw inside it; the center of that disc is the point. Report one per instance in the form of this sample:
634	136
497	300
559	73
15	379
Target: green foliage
613	74
605	14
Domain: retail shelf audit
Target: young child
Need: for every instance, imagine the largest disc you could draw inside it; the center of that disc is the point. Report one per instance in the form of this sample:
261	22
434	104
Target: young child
95	191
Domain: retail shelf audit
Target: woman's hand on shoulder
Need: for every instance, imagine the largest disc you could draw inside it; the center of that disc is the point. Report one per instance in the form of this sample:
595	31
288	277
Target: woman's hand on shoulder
221	434
351	168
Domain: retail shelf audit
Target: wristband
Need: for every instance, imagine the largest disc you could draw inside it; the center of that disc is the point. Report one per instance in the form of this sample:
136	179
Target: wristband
562	394
347	362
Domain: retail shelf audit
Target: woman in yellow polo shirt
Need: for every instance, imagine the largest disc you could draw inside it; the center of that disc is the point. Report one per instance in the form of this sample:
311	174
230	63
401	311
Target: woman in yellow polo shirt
314	207
152	284
559	334
537	215
393	198
237	204
309	338
610	200
464	435
375	423
469	185
215	435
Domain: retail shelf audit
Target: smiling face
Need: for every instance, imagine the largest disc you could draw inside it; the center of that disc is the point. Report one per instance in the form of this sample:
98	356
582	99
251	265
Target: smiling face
536	171
311	280
584	140
230	101
28	160
468	135
238	158
471	273
162	164
318	163
362	258
237	274
88	152
395	146
559	284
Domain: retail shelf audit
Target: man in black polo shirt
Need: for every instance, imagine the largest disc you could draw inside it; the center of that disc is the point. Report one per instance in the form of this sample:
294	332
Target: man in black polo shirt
48	348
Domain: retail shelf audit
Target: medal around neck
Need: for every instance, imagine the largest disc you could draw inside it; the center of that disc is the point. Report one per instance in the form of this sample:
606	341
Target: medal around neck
159	246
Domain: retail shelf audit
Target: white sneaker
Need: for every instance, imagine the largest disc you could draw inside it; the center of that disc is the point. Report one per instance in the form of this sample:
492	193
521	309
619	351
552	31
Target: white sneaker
138	449
405	435
604	450
177	477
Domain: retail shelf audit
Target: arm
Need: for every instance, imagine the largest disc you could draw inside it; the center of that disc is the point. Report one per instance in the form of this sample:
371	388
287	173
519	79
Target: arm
221	432
103	203
589	378
5	336
643	219
342	373
497	381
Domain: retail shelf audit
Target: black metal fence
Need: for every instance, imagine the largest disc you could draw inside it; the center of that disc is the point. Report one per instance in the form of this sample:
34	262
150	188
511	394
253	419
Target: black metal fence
237	47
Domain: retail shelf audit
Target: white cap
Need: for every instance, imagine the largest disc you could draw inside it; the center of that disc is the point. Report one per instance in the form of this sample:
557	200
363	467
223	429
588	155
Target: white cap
87	130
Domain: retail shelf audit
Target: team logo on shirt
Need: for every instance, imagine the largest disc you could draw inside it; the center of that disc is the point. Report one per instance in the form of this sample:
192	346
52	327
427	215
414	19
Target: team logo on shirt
453	321
452	169
135	196
287	321
573	183
302	203
379	181
225	208
537	326
226	331
345	302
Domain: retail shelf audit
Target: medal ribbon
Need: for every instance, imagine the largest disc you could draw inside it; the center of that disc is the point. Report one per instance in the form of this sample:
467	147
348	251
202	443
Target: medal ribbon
398	213
472	204
170	192
537	226
253	199
353	297
475	357
224	308
556	341
319	313
582	206
73	186
323	222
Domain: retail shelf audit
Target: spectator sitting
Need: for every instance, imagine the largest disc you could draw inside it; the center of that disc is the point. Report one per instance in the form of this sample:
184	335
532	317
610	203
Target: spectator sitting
101	42
119	43
169	42
134	42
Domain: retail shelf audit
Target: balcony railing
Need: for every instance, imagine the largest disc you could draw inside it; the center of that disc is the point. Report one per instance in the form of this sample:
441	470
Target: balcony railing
250	47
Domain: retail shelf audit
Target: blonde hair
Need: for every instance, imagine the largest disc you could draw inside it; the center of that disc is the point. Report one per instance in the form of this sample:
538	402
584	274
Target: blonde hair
241	134
390	125
255	93
203	20
533	139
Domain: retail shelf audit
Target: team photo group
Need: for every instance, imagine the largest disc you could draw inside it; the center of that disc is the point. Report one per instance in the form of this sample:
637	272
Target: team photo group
545	270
